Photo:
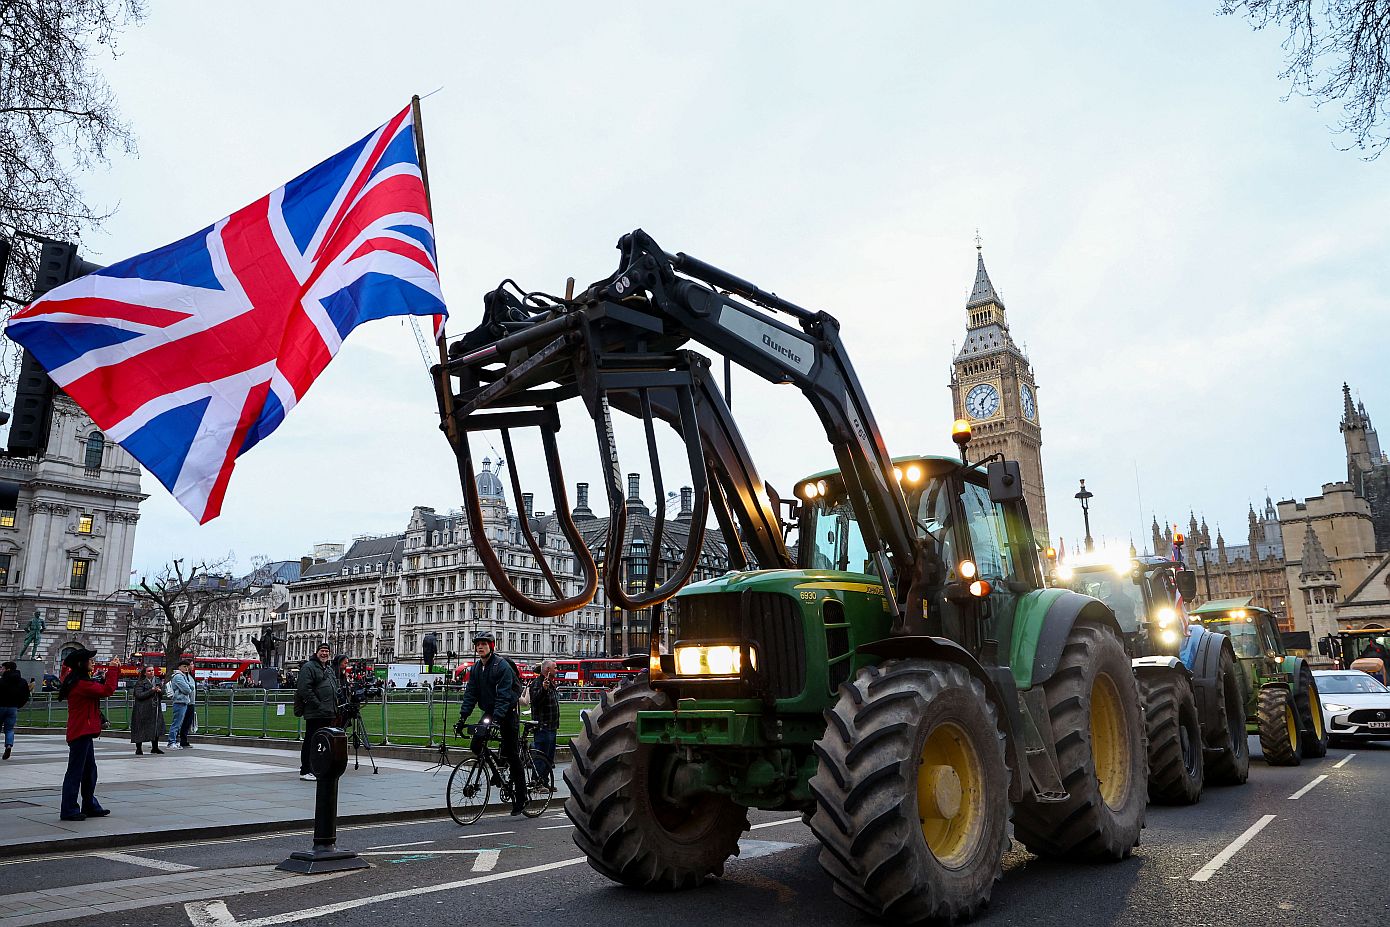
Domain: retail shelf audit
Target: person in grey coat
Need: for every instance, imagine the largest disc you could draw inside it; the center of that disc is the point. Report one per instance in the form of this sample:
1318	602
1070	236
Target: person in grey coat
146	714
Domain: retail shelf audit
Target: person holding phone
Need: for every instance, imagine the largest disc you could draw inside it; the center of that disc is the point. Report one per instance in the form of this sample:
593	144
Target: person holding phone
83	695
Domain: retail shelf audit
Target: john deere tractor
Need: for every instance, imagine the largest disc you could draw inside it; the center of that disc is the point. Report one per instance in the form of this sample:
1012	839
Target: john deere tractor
1281	697
899	675
1194	701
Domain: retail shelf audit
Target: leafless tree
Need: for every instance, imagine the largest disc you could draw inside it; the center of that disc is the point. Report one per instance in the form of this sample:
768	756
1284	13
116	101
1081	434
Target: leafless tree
187	600
58	119
1337	53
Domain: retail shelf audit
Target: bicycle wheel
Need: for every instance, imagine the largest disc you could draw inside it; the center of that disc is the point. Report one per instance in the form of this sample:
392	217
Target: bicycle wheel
538	791
468	791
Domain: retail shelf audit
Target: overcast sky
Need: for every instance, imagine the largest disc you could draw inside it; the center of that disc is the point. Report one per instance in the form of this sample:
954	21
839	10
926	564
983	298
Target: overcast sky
1192	264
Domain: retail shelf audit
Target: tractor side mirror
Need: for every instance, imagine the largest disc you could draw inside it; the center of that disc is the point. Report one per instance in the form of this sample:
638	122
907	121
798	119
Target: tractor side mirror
1005	481
1187	584
1323	647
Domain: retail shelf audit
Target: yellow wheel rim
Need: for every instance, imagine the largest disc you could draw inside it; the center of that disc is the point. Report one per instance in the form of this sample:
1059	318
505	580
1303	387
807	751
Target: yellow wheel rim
1291	721
951	795
1110	746
1315	709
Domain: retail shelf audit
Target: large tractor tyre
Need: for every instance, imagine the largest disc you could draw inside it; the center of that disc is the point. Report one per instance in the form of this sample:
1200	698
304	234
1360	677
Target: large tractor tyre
912	793
1309	702
630	833
1176	770
1226	733
1279	734
1093	707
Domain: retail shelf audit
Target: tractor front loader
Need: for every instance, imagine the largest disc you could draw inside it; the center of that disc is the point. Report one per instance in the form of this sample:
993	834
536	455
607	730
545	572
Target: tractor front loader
1189	681
904	679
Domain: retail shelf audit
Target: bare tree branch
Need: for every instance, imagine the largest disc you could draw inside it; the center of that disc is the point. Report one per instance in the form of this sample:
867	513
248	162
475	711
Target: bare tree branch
187	601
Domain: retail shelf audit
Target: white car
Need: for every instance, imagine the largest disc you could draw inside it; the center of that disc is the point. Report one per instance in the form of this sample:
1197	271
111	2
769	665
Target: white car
1355	705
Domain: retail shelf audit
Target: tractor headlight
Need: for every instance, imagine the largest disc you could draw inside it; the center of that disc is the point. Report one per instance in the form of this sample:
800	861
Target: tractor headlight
1065	573
710	660
1166	616
1168	636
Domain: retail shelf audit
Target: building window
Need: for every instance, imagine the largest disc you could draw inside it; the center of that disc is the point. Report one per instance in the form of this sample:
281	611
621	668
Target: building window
4	569
74	621
7	518
96	443
78	578
84	524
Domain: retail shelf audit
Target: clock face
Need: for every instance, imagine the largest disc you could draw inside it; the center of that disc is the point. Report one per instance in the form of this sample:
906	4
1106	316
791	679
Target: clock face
1030	405
982	401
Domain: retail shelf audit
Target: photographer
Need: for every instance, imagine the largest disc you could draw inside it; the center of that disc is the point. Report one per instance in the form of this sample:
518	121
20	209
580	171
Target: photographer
316	701
494	687
545	711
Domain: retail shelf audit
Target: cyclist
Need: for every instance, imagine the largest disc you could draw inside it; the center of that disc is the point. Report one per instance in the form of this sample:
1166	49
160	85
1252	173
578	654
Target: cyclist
494	687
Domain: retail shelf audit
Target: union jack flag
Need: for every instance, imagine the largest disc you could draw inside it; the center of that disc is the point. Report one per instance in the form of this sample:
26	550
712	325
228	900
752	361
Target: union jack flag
191	354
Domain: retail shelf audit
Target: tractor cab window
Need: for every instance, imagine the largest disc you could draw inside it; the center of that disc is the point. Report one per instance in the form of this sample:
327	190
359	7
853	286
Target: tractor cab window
838	542
989	536
1273	643
934	519
1116	590
1245	637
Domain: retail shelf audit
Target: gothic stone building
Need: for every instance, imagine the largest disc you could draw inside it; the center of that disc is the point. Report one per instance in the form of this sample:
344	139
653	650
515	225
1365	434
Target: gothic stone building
992	386
67	546
1254	569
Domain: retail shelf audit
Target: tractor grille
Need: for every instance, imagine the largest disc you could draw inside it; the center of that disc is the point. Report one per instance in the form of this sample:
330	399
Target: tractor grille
767	619
1363	715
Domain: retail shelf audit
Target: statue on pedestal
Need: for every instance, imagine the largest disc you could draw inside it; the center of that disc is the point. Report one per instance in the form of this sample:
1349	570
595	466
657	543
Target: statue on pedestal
33	631
266	645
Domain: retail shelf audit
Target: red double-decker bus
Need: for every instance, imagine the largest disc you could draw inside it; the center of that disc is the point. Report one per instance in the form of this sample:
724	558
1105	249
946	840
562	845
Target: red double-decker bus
212	670
600	673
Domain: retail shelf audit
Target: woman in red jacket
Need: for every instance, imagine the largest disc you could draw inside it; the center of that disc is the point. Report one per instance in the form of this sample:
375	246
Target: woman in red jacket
83	695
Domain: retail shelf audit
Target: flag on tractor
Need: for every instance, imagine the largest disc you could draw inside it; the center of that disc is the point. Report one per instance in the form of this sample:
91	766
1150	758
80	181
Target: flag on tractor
191	354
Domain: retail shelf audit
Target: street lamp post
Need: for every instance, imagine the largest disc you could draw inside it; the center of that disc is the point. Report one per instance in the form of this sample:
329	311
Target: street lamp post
1206	574
1084	497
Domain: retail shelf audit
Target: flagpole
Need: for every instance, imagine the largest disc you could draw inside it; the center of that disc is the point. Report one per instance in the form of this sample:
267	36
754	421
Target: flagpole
446	393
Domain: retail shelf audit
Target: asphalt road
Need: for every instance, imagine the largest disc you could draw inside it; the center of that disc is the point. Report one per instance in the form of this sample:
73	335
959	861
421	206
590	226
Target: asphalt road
1320	858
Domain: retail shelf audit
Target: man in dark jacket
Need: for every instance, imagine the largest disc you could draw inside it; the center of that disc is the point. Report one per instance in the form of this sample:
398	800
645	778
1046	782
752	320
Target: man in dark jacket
494	688
14	695
316	701
545	711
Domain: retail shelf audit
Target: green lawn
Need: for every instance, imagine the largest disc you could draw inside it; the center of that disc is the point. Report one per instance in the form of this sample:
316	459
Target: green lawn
409	718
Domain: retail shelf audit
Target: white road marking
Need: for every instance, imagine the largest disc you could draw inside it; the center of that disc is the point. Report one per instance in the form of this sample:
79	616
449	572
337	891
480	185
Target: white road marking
752	849
1224	857
392	846
215	913
1343	761
487	860
1306	789
483	860
496	833
555	827
775	823
143	861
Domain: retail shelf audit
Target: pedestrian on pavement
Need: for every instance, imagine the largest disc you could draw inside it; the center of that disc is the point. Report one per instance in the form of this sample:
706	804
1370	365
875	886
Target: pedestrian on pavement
147	714
183	693
14	694
494	687
545	712
316	701
83	695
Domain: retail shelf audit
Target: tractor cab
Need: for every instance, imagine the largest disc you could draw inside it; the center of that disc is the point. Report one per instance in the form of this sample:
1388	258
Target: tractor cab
1366	649
1145	593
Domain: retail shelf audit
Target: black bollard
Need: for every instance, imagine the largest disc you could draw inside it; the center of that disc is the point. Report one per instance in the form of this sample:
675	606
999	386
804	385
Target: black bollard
328	760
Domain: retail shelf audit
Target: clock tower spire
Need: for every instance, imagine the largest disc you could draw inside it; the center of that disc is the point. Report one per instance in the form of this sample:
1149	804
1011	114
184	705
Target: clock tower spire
992	386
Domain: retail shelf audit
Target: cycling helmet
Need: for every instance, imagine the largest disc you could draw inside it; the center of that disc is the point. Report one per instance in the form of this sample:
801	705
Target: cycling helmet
480	637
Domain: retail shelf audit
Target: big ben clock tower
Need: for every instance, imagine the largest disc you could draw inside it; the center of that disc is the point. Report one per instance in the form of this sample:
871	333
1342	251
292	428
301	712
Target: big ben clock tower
992	387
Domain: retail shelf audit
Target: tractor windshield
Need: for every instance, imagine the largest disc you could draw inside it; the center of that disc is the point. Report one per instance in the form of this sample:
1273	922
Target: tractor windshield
1114	589
833	539
1245	637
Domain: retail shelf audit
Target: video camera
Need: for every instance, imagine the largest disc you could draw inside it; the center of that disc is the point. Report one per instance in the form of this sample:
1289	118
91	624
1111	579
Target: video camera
357	692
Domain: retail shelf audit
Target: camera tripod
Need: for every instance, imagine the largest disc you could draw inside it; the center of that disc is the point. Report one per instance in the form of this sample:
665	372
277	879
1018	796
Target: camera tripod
357	736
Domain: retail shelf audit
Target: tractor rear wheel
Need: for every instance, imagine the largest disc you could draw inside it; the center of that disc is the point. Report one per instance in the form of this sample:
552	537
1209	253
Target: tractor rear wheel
912	792
1279	734
1309	704
1176	771
1093	707
631	833
1227	733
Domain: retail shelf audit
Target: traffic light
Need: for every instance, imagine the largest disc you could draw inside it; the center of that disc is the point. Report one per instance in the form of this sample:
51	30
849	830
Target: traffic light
33	397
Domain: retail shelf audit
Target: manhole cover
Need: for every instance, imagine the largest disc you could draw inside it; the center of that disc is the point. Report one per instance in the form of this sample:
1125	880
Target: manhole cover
16	803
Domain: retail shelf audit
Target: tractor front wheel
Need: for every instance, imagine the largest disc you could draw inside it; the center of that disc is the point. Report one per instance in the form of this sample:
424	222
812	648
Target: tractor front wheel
1093	708
1279	734
1310	706
912	793
625	825
1176	770
1227	734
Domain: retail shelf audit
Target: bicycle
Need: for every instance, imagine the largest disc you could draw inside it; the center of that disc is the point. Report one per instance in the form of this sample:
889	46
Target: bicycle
471	782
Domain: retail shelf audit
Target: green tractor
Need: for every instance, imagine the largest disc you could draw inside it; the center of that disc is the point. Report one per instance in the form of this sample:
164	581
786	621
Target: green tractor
900	675
1281	696
1194	700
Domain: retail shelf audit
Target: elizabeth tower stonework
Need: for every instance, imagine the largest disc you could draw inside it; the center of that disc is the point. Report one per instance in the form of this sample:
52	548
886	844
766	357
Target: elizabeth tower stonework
992	386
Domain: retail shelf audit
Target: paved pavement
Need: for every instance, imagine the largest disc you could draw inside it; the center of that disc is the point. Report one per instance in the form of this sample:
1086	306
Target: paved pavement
211	790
